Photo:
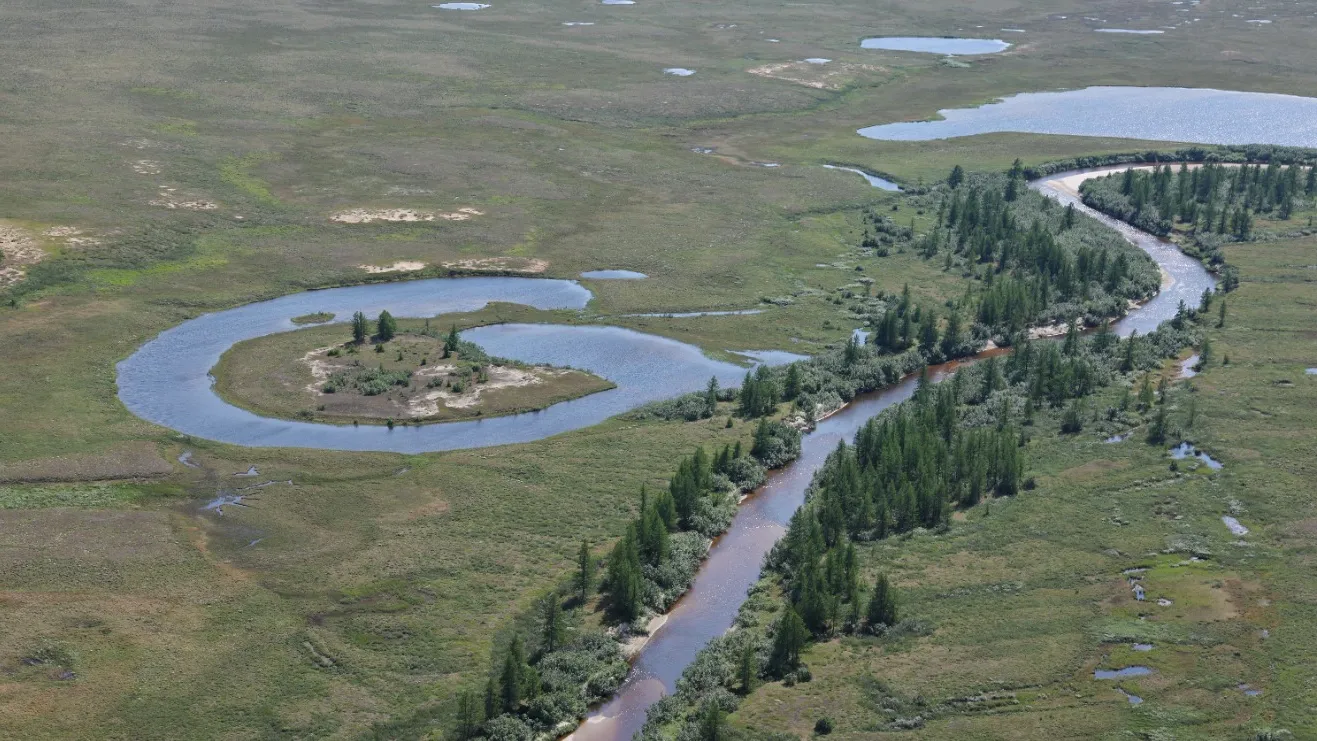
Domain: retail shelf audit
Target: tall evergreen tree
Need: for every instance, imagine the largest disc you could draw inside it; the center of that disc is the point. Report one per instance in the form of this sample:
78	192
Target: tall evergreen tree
468	716
788	642
360	327
584	571
882	605
451	342
551	626
386	326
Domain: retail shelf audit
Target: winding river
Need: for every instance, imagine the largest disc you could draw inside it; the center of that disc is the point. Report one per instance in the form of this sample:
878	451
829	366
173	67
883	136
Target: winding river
734	562
167	381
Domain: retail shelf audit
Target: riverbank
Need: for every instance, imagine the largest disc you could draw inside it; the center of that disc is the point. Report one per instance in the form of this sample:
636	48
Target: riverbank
710	613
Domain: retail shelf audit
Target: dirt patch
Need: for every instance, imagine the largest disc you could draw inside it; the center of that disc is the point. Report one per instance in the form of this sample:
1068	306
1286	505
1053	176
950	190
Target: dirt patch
146	167
500	377
818	76
18	249
168	198
507	264
200	540
366	216
71	236
402	266
1050	330
128	461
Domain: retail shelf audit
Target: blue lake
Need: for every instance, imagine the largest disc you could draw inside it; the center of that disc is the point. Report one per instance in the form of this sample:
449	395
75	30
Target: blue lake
1196	115
936	45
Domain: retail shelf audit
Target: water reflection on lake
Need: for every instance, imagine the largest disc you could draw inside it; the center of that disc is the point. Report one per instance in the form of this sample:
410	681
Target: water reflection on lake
1197	115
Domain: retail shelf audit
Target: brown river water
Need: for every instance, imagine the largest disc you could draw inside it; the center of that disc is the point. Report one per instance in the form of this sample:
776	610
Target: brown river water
733	565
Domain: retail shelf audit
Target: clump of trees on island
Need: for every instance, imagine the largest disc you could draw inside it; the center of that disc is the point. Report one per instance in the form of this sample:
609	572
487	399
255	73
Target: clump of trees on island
375	381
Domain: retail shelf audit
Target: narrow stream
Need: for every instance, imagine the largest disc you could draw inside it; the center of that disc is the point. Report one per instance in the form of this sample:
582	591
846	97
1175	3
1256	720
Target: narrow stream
735	560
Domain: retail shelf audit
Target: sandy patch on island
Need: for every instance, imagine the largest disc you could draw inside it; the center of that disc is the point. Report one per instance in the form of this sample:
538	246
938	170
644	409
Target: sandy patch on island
317	361
500	377
402	266
366	216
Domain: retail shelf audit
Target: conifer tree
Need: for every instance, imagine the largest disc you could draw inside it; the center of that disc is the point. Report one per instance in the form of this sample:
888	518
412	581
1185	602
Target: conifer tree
386	326
882	605
450	342
551	627
360	327
584	571
788	642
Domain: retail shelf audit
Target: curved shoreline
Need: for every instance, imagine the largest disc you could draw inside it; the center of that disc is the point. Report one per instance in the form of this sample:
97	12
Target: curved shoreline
167	381
732	565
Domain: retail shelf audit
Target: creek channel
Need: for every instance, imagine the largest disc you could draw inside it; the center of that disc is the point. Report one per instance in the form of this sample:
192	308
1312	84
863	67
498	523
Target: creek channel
733	565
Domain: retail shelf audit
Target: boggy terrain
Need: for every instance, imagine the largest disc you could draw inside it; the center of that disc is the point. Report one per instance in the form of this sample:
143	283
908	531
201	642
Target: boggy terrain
222	153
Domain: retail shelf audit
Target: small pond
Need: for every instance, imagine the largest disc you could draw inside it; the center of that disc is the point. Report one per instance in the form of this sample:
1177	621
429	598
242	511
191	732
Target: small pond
936	45
679	71
1196	115
1129	671
461	6
873	180
1234	526
1185	450
613	275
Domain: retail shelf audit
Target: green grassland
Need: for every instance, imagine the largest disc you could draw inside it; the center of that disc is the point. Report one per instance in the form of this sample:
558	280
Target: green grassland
1025	597
401	571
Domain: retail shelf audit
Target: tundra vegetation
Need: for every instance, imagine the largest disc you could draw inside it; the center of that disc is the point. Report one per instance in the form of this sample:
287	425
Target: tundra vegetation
201	163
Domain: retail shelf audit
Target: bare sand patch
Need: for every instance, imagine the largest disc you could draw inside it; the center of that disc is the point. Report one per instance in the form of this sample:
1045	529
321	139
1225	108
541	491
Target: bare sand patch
402	266
812	74
367	216
146	167
71	236
511	264
18	248
1050	330
168	199
500	377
